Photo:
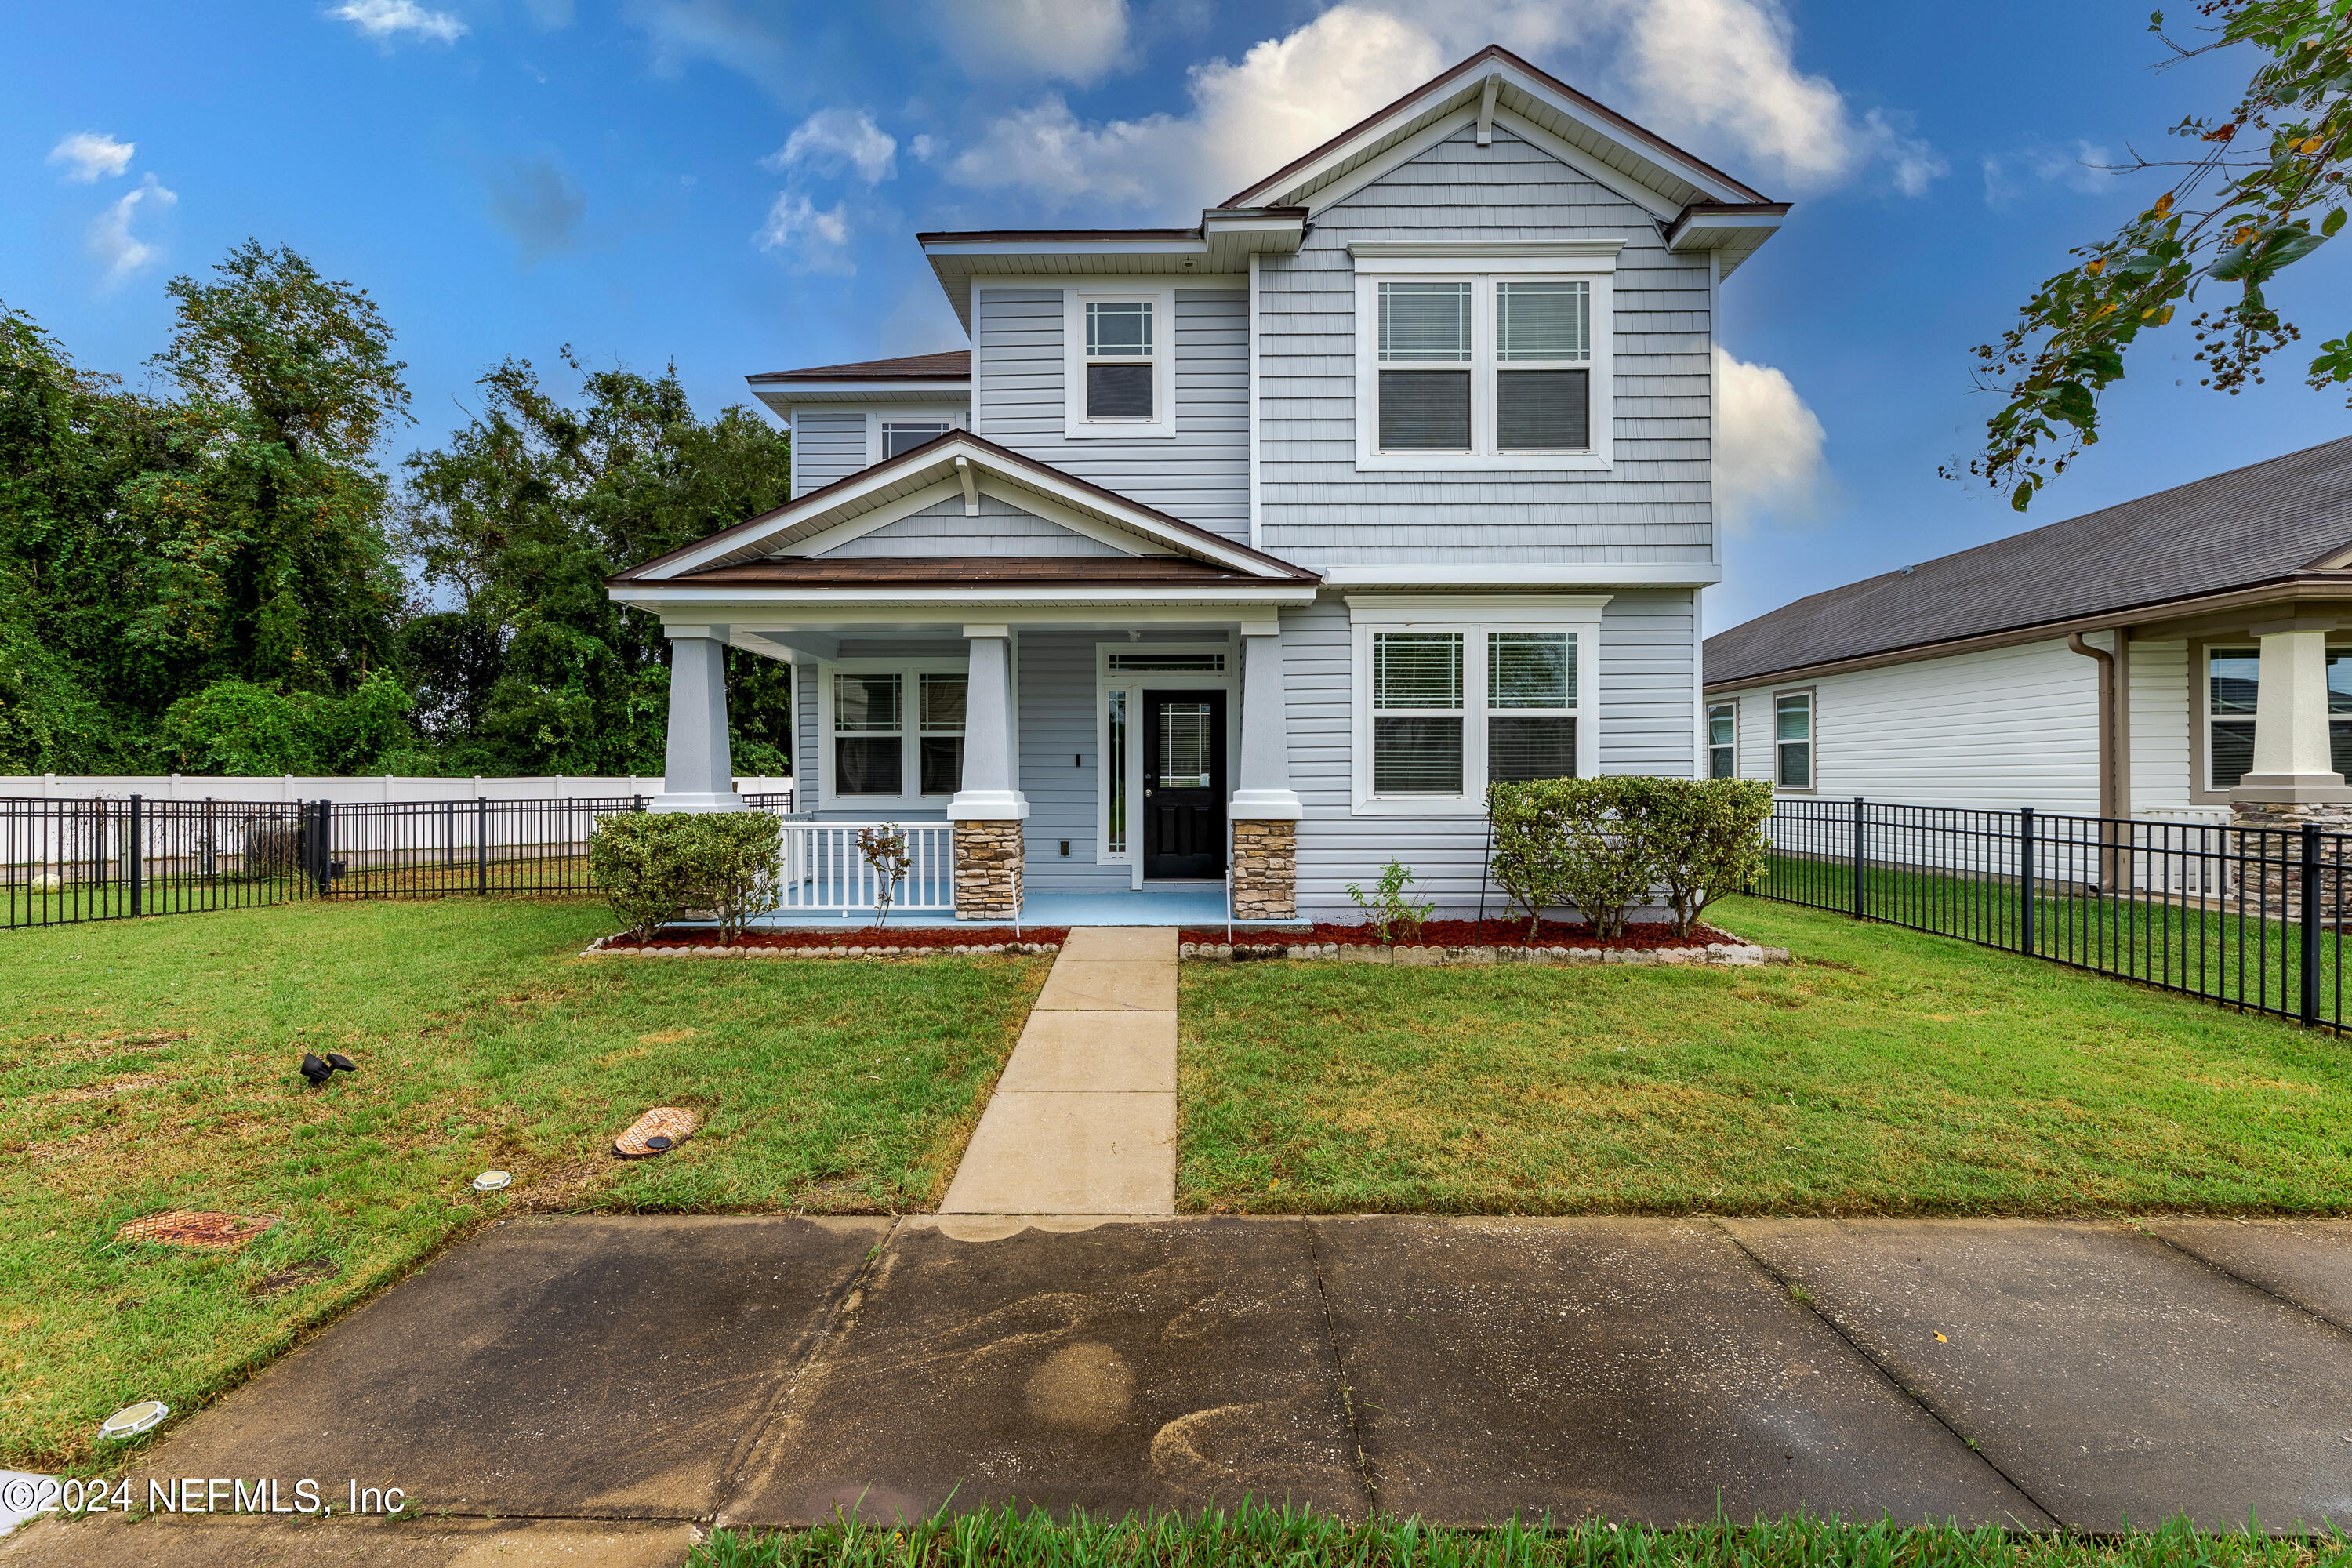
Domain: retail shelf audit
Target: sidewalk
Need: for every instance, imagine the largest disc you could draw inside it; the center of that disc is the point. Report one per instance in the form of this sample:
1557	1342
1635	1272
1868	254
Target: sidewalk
765	1371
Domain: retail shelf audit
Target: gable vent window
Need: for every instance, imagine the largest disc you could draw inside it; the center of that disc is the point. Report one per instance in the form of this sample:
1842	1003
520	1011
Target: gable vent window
1119	362
1425	327
899	437
1543	389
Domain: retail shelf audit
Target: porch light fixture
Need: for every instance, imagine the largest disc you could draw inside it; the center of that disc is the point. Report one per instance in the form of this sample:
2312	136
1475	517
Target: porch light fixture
133	1419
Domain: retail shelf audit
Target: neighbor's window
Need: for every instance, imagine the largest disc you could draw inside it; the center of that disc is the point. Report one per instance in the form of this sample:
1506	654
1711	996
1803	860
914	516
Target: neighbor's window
869	735
2233	679
1723	740
1543	380
1531	706
1119	359
940	745
1417	713
905	436
1425	367
1792	739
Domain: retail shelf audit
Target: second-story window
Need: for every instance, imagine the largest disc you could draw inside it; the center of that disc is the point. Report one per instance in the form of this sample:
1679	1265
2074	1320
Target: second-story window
1425	367
1543	349
1118	359
905	435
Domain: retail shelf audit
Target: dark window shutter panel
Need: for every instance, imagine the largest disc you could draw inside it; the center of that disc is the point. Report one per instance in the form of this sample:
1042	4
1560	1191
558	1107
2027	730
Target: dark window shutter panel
1543	410
1119	392
1424	411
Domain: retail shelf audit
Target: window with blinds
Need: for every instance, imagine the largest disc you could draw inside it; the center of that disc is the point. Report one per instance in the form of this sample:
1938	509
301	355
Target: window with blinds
939	741
2233	682
869	735
1425	327
1543	387
1531	706
1792	740
1417	713
1494	366
1119	359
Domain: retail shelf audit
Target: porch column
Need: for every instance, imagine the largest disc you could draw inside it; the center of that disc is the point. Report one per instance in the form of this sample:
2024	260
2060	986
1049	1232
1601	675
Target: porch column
1265	810
698	771
987	810
2291	752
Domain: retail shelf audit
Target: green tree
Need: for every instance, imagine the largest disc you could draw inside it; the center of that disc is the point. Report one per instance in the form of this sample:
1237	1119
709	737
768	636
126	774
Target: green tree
2262	188
515	525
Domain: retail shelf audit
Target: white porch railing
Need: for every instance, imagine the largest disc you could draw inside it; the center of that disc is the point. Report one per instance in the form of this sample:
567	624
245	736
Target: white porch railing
2184	850
823	870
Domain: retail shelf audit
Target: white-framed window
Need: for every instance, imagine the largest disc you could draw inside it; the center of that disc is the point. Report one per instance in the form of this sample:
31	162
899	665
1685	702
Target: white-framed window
1723	740
893	733
2233	679
1123	672
1119	364
1452	694
1792	740
1498	368
890	431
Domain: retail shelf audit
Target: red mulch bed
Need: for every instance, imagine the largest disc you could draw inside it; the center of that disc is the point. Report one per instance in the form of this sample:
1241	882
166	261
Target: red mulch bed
863	936
1471	933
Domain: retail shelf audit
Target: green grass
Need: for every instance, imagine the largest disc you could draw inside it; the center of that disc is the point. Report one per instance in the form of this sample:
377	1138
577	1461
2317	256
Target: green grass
151	1065
1252	1535
1885	1072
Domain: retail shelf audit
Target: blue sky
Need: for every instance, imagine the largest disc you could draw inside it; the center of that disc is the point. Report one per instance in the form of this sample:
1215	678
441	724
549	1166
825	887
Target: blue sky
732	187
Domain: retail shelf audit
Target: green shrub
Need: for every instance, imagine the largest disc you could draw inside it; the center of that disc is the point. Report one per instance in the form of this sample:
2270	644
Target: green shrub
1612	845
1387	910
655	868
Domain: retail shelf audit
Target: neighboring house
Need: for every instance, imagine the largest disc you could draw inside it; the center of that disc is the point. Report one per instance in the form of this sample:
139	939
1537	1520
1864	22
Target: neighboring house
1283	534
2186	655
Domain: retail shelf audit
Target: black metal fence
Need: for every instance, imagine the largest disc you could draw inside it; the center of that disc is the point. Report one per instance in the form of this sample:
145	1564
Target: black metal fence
2248	917
64	861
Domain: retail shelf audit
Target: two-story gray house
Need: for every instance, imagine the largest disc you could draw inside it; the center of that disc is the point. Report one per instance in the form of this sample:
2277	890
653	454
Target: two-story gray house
1259	546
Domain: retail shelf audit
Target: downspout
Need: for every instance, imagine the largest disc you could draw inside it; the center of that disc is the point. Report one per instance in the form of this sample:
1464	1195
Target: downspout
2108	772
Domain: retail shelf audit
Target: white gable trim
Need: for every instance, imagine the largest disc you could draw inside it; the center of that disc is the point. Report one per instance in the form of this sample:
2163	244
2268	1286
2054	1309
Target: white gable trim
1613	180
867	522
1593	168
1126	541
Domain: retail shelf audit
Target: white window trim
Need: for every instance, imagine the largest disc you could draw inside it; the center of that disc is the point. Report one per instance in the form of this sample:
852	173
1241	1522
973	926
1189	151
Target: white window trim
955	418
1135	683
1578	613
1812	741
910	673
1481	273
1706	735
1075	425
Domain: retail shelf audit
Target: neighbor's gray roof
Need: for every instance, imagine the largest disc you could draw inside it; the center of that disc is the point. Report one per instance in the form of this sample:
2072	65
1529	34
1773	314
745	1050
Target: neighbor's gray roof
2251	525
955	364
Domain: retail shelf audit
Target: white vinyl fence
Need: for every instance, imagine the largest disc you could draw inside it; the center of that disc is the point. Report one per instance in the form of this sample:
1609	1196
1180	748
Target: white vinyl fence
823	869
387	788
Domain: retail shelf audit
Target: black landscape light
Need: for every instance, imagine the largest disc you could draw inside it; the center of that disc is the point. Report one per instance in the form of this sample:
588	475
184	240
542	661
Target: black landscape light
337	1059
317	1071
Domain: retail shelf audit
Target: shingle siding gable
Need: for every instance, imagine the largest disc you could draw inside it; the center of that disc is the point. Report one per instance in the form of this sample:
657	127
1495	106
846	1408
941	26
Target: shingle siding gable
1652	506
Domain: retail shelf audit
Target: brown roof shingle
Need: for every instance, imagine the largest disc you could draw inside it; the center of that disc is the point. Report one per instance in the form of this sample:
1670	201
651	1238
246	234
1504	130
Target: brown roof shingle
904	572
954	364
2267	522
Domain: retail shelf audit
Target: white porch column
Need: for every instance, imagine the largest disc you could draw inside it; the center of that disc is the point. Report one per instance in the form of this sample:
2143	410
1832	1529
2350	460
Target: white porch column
1262	790
1265	810
2291	752
698	770
987	810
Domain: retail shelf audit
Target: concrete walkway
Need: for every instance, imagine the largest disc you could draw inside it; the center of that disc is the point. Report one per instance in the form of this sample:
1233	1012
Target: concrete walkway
621	1382
1084	1120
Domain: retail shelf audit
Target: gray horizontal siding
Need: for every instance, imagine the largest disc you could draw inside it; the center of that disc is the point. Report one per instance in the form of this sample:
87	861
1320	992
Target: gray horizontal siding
942	529
1058	764
1651	505
1202	475
1647	726
827	446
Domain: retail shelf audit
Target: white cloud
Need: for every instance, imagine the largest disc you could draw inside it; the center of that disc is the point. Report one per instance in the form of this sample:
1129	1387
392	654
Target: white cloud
1719	75
833	139
385	20
1248	118
815	240
681	32
88	156
2086	168
1055	40
110	240
1768	453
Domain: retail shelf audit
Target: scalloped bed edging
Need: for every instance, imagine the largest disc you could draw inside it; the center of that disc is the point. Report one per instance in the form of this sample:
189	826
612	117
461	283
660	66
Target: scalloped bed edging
598	949
1716	954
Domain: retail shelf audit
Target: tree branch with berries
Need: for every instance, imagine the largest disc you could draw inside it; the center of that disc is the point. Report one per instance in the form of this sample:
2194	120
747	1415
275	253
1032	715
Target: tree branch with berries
2261	190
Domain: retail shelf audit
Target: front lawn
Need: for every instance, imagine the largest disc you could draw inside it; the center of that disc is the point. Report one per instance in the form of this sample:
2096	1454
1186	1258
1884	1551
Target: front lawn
151	1065
1885	1072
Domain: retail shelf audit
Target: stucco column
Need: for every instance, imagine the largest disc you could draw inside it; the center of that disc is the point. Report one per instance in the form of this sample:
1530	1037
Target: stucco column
2291	752
1265	809
987	810
698	771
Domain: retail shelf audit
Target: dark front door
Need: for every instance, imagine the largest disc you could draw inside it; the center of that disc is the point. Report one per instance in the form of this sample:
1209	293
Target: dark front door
1183	783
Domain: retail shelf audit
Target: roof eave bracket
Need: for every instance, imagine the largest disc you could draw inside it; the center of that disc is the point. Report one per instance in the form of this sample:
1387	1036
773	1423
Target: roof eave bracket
970	486
1488	93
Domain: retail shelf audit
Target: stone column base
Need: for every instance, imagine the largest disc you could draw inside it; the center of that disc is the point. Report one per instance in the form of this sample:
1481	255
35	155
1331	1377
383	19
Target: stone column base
988	870
1265	870
2276	858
